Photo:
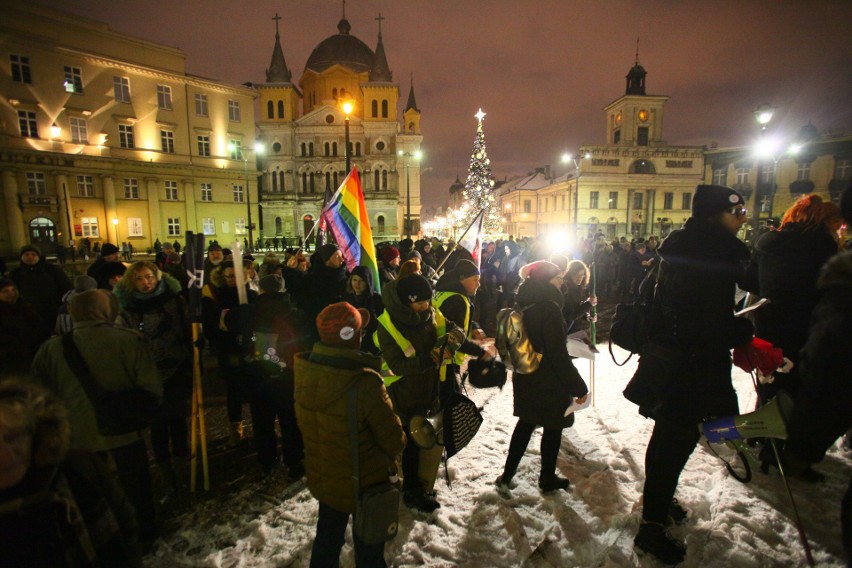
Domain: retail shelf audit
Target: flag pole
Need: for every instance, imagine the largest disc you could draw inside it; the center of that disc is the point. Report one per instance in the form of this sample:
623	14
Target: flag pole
456	243
593	331
329	202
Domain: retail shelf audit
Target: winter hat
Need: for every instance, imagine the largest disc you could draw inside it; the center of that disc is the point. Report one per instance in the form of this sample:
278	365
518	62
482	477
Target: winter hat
541	270
340	325
93	305
710	200
29	248
6	282
272	283
173	258
108	249
412	254
214	246
389	253
413	289
84	282
327	251
111	269
465	269
560	260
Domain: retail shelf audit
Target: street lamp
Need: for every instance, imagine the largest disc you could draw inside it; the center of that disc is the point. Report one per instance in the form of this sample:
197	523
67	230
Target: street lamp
408	155
347	107
115	226
765	149
240	151
568	158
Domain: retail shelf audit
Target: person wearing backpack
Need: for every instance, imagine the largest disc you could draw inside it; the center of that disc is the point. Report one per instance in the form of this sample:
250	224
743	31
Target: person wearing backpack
542	396
687	361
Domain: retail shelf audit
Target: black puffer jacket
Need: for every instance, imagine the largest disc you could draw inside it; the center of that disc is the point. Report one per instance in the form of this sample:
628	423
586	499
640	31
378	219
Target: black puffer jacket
695	322
542	397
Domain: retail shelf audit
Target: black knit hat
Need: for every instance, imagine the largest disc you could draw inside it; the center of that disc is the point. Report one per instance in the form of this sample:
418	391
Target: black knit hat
710	200
108	249
413	289
327	251
465	269
29	248
4	282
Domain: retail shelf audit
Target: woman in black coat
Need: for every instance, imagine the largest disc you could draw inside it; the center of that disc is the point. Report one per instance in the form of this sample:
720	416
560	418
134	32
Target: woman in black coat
542	397
684	375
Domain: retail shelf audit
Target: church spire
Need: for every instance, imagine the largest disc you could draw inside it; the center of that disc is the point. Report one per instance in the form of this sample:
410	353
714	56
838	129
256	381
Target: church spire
381	71
412	102
636	76
278	71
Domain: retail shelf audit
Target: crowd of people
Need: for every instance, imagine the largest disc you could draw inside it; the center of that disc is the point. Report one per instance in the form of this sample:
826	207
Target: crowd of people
307	340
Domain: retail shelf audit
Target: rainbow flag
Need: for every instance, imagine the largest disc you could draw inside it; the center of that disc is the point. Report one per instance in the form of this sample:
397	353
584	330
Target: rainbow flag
346	217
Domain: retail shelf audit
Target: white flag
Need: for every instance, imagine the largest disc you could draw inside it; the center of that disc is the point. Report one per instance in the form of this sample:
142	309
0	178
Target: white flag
471	240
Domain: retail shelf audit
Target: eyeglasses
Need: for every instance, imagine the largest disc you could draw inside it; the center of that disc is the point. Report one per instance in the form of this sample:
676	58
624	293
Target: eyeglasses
738	211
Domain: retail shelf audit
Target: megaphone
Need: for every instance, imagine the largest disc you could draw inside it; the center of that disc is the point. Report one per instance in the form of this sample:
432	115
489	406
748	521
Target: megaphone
768	421
427	431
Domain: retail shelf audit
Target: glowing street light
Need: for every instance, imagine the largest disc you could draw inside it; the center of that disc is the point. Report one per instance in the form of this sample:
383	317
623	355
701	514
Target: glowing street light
408	155
347	106
240	152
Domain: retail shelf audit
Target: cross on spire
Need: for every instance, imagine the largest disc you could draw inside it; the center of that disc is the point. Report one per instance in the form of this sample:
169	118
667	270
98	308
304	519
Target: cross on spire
637	50
379	19
344	9
276	18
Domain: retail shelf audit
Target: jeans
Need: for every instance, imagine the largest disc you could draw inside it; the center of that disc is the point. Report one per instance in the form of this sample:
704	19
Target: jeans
668	451
331	528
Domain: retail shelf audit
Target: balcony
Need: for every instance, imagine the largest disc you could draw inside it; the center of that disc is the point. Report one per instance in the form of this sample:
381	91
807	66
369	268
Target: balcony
801	187
745	188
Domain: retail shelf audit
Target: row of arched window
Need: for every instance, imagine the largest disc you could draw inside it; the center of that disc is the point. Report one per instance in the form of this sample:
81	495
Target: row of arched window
329	149
309	181
380	224
271	107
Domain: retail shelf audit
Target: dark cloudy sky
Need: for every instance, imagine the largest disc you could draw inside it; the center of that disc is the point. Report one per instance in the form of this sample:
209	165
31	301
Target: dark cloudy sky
542	70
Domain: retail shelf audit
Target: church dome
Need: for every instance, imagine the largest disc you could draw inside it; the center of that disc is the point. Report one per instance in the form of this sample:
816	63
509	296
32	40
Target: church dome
343	49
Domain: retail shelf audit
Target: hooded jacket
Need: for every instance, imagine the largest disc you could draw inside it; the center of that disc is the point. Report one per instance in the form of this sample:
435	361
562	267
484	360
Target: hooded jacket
370	301
42	285
542	397
323	380
321	287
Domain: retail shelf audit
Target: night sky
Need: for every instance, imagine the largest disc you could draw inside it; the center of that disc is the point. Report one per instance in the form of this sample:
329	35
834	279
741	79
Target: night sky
542	70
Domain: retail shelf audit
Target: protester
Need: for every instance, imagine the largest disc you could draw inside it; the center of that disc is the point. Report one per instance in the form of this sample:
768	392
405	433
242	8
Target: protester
390	261
542	397
359	293
57	508
323	380
40	283
98	270
684	376
577	297
324	284
64	323
117	359
215	257
22	331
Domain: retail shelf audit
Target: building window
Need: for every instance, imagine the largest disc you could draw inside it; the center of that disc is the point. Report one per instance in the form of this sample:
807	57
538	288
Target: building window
234	111
613	200
310	148
239	194
593	199
686	203
200	104
35	183
803	172
327	149
79	130
843	169
616	137
167	141
280	109
304	183
304	148
131	188
270	109
642	136
125	136
164	97
274	182
208	225
73	80
236	148
85	186
742	176
668	200
206	192
28	124
637	199
281	180
357	148
374	107
203	145
384	108
767	173
380	222
720	176
121	89
90	227
334	148
171	190
240	226
20	69
173	225
527	205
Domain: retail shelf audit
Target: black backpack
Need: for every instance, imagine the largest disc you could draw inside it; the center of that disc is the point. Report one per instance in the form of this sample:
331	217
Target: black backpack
631	322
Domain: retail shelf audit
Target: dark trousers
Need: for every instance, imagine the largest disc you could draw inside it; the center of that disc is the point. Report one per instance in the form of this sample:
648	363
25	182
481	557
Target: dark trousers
232	373
274	398
331	528
668	451
411	463
131	464
168	437
551	440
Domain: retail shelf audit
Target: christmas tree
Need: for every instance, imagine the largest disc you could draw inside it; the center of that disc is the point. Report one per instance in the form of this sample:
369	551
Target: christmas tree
479	187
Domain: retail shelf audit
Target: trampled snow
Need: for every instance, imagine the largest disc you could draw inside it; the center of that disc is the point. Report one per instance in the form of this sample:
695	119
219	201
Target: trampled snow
730	523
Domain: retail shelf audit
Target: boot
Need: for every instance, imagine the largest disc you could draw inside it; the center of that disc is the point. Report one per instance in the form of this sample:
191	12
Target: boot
553	483
420	499
677	514
236	435
505	482
653	539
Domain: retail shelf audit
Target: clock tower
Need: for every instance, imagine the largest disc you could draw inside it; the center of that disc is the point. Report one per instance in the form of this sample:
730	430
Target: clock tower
636	119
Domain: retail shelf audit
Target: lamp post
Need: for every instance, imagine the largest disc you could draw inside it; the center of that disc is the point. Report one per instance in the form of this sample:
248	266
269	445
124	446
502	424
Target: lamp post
408	155
115	226
347	107
258	150
568	158
763	115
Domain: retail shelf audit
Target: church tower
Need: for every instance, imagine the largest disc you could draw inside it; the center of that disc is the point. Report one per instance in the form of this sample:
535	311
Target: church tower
636	119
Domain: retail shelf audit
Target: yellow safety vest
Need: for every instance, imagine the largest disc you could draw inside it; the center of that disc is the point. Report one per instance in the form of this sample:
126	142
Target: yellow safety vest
404	344
440	298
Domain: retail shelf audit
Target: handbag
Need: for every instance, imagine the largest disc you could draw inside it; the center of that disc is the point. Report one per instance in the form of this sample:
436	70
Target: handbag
117	412
462	420
376	518
486	374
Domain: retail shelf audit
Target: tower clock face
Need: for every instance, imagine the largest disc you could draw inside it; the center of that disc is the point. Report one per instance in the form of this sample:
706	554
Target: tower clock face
643	115
618	118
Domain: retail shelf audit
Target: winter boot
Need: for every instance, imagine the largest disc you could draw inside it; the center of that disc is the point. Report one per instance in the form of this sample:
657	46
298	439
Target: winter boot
236	435
553	483
677	514
421	500
504	482
652	538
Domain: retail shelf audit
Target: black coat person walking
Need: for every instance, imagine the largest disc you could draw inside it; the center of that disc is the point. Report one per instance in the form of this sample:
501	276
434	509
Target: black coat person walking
684	373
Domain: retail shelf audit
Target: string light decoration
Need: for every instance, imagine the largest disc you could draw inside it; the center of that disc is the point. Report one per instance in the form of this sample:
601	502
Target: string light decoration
479	186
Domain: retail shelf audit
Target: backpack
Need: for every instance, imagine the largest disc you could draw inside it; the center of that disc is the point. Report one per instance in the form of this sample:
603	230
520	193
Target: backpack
631	322
513	343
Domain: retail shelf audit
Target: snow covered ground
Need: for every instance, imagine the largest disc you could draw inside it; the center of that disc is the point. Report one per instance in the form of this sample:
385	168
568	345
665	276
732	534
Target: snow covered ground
731	524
